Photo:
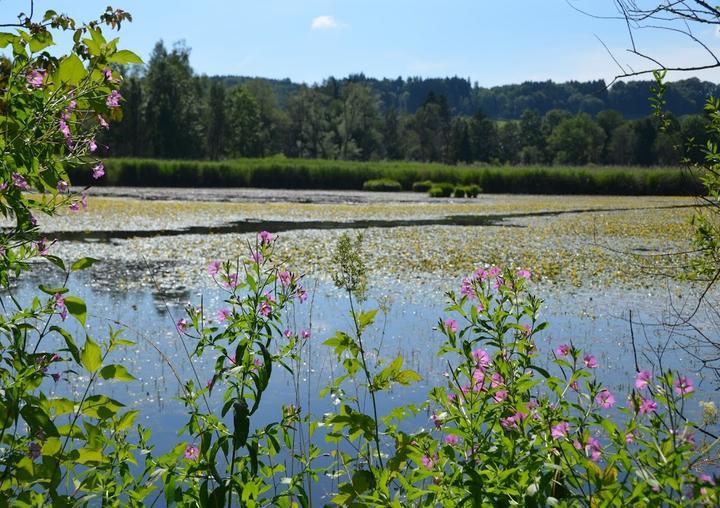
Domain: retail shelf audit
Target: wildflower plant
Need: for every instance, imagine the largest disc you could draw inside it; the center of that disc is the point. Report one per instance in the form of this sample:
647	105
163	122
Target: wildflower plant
57	450
233	455
507	431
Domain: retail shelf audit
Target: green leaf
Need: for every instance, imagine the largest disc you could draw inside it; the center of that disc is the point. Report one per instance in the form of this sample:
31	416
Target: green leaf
91	357
88	455
83	263
77	308
52	291
72	347
7	39
127	420
56	261
407	377
40	41
124	57
117	372
71	70
362	480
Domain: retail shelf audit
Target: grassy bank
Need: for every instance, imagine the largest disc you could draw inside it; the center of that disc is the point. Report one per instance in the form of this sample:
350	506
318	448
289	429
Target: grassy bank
346	175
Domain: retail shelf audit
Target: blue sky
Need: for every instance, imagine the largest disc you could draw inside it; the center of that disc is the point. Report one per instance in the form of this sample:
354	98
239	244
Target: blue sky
491	42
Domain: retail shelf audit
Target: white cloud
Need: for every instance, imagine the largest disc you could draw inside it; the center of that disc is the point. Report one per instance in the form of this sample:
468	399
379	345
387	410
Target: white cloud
324	23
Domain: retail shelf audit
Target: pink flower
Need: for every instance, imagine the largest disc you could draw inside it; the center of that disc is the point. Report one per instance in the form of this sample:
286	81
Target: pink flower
452	439
34	450
525	274
55	376
181	325
60	305
494	271
629	438
232	281
500	395
107	72
192	452
74	206
437	421
451	325
265	309
428	462
83	200
288	333
451	397
482	358
92	145
684	385
302	294
560	430
511	422
467	289
256	257
497	380
65	130
605	399
266	238
71	106
224	315
19	181
480	274
575	386
113	100
62	186
647	405
214	268
479	380
103	122
642	379
285	278
305	334
35	78
563	350
593	449
43	248
98	171
590	361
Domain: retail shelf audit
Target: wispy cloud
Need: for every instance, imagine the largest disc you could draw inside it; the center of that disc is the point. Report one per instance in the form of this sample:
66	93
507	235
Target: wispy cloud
325	23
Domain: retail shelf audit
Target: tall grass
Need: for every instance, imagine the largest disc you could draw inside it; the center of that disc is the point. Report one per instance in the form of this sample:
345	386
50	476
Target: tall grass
278	172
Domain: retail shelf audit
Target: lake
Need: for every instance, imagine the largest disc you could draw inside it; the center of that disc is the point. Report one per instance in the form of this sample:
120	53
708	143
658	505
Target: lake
594	261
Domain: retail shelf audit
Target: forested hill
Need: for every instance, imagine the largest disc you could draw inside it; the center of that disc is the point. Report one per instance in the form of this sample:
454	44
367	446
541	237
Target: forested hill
508	102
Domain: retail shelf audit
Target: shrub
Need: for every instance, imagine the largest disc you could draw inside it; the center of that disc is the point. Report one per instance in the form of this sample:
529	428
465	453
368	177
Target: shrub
473	191
422	186
382	185
441	190
460	191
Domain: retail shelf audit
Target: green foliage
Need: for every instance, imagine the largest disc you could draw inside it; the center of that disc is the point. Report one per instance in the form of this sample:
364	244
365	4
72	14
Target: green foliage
441	190
422	186
382	185
279	172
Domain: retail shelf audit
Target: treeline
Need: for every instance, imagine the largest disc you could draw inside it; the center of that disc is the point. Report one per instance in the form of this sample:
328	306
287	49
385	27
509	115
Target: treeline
169	112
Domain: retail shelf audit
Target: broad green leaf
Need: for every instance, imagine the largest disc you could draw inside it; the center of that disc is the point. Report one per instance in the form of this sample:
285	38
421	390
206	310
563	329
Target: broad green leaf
91	357
83	263
407	377
124	57
6	39
77	308
127	420
72	347
117	372
52	291
40	41
56	261
71	70
89	455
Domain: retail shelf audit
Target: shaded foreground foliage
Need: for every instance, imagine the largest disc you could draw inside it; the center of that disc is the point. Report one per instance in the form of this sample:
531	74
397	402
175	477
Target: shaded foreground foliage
280	172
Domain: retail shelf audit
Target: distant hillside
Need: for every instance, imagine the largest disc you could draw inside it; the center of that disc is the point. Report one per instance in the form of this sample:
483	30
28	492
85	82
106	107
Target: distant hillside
507	102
